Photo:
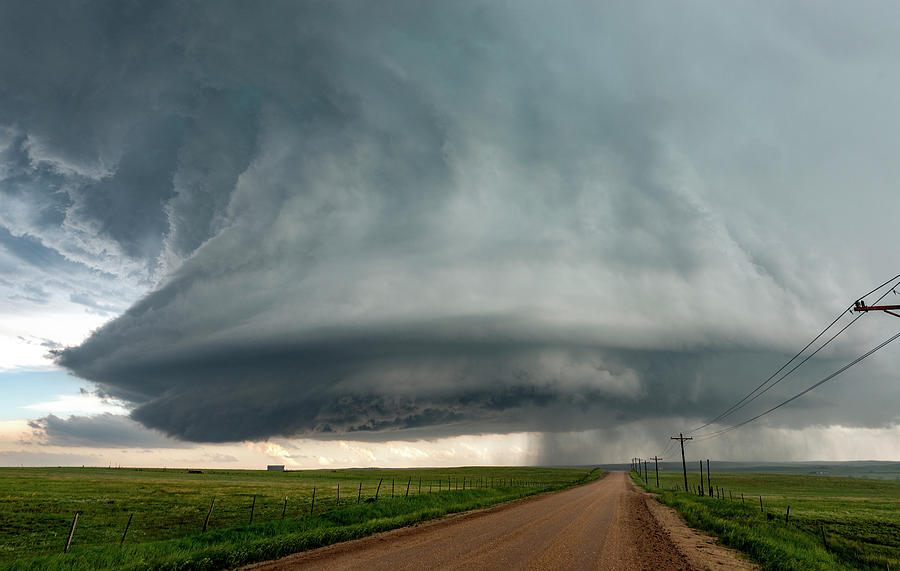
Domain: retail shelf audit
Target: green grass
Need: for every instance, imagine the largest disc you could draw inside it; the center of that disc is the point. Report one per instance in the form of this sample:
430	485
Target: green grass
169	507
861	518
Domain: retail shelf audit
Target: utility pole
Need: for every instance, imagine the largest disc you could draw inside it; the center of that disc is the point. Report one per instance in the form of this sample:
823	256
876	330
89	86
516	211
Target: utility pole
656	460
681	438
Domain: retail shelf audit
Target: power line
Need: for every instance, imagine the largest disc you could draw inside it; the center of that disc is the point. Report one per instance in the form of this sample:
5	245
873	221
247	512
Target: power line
803	392
744	401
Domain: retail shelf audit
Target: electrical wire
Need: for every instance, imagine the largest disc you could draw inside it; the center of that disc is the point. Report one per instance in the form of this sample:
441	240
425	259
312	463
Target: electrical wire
752	395
666	449
852	363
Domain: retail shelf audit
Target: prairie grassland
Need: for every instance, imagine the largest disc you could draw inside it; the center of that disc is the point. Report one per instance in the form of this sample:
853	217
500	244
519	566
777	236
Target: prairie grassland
834	523
168	509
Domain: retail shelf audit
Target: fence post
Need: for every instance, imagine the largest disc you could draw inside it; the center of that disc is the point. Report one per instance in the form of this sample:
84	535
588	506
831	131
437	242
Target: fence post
407	486
339	496
209	513
702	488
824	541
359	494
760	504
392	487
420	484
787	515
284	508
313	505
71	533
378	489
252	508
127	525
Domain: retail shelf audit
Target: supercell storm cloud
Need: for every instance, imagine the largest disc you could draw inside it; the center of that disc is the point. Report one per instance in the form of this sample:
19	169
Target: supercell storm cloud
433	218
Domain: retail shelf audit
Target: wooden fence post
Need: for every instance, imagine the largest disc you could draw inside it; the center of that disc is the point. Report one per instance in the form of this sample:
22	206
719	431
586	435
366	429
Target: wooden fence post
313	505
252	508
760	504
787	515
71	533
209	513
127	525
284	508
407	486
339	496
392	487
378	489
359	494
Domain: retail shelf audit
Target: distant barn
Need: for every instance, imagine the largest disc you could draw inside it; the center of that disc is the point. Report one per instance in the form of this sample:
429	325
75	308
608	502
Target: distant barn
275	467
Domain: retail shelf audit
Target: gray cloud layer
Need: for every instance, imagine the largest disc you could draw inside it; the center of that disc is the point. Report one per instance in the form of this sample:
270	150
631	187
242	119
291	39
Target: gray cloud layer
440	218
100	431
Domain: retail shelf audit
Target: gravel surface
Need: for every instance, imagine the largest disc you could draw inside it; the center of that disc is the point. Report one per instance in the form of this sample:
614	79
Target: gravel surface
602	525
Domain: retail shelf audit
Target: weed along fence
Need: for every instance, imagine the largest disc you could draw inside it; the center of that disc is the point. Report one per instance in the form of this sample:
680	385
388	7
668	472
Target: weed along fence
708	489
64	510
788	521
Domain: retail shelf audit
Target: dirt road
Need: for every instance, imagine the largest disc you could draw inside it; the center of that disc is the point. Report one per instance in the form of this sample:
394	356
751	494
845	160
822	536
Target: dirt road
602	525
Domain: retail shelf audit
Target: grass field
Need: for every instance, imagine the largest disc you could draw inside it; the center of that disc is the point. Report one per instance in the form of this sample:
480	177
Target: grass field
37	506
860	518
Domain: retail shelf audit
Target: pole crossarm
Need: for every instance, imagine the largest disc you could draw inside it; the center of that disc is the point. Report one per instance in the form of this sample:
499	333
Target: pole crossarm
861	306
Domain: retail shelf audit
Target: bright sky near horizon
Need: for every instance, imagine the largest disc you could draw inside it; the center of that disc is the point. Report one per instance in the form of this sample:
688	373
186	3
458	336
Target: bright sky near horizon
423	234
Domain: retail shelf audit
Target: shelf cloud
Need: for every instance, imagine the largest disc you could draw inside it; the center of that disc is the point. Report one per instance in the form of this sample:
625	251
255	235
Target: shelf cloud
428	219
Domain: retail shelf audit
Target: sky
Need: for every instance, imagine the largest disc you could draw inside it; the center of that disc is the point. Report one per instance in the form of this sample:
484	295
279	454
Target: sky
336	233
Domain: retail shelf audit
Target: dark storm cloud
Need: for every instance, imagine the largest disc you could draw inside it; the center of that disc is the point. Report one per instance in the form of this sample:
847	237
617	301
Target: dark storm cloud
445	218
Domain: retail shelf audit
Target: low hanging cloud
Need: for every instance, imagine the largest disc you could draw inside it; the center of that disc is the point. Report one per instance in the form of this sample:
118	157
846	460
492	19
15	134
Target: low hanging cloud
99	431
436	219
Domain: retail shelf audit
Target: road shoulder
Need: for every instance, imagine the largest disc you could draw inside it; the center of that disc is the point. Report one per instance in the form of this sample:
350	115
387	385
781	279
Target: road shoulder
703	551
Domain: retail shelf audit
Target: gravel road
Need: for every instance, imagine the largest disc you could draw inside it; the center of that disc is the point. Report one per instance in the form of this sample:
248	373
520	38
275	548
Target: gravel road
601	525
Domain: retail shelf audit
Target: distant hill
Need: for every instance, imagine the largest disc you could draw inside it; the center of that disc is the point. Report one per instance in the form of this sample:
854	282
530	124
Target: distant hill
855	469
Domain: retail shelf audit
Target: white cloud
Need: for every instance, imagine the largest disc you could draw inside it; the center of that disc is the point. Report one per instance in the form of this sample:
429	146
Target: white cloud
81	404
